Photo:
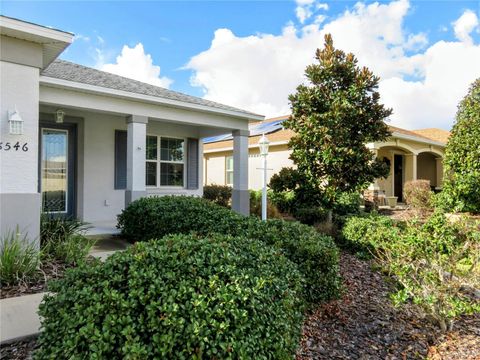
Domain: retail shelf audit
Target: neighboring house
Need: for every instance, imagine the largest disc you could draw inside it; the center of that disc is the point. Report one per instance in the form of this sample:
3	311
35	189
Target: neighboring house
76	141
412	155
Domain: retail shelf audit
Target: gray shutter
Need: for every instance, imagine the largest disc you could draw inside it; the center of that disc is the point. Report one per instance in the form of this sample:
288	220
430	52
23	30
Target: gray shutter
192	163
120	159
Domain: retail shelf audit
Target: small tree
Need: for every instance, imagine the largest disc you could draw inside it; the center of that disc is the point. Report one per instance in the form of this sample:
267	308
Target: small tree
334	116
461	190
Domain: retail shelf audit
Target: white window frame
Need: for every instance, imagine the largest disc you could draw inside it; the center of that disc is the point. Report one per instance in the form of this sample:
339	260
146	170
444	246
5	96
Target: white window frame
227	170
159	161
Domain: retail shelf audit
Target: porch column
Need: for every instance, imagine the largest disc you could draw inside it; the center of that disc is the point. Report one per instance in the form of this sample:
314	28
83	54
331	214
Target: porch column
240	194
410	167
439	170
374	186
136	155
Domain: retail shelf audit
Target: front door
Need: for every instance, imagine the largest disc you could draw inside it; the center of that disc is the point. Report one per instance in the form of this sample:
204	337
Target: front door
57	168
398	176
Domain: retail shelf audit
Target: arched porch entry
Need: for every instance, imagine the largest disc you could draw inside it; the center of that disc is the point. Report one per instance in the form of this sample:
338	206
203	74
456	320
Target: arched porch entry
407	163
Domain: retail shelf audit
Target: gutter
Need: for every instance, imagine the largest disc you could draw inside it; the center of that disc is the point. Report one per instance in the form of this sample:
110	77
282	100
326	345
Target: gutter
98	90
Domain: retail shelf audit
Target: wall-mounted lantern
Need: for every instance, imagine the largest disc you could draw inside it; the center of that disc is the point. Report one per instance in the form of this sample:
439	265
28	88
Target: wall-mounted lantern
15	122
59	116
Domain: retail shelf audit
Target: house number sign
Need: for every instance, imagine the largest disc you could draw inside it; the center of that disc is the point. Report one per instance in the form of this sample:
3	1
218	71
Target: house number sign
8	146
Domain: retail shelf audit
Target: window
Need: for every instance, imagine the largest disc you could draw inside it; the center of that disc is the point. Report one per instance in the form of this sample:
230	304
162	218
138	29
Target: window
169	167
229	170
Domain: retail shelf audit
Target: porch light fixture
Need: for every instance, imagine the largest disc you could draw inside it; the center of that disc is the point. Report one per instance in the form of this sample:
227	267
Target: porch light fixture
15	122
263	145
59	115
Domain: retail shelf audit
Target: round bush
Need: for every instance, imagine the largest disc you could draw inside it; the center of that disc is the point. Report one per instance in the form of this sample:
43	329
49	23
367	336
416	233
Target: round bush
155	217
176	298
315	255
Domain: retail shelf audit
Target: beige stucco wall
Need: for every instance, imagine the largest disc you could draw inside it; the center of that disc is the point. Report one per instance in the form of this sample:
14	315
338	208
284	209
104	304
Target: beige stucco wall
278	157
427	167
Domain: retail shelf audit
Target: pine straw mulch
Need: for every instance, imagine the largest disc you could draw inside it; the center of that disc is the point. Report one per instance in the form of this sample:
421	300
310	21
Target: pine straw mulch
51	269
363	324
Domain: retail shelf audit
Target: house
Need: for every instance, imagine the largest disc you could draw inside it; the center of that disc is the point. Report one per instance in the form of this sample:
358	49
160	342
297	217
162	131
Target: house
411	155
76	141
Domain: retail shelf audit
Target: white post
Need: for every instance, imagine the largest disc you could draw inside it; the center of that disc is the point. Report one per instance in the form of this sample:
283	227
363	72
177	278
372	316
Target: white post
264	190
240	193
136	150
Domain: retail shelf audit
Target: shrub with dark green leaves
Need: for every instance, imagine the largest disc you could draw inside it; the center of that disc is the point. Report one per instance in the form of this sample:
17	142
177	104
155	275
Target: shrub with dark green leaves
219	194
315	254
461	190
180	297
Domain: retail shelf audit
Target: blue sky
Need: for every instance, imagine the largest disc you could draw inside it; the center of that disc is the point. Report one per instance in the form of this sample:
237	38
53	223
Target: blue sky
178	36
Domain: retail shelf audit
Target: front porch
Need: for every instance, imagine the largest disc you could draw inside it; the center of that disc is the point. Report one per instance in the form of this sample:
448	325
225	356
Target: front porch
94	163
408	160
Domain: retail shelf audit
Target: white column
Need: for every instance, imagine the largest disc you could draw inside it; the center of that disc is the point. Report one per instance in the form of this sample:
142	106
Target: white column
136	155
240	193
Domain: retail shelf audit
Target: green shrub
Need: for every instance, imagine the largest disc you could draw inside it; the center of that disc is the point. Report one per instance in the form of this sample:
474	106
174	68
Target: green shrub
19	259
176	298
62	239
316	255
347	203
369	233
256	206
436	263
219	194
310	215
461	190
417	194
283	200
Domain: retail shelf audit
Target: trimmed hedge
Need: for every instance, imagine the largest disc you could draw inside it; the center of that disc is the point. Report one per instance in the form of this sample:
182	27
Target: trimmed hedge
315	254
176	298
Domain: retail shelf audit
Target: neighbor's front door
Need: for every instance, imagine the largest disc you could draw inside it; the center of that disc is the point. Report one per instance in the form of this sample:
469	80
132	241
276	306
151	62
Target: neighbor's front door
57	168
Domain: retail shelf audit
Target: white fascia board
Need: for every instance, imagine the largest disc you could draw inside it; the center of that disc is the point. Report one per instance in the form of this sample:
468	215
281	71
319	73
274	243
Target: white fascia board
417	139
33	32
251	146
98	90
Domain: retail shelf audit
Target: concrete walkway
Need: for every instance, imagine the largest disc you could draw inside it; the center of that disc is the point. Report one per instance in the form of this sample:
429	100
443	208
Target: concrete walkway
18	315
19	318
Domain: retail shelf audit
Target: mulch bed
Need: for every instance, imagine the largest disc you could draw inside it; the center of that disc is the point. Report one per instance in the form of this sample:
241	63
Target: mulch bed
364	324
19	350
52	269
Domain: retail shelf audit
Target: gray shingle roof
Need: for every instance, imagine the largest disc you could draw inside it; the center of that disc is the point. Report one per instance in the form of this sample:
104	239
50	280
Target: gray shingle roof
65	70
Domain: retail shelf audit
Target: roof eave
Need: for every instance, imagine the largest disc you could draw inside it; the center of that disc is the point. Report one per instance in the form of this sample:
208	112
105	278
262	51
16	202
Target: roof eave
53	41
76	86
417	139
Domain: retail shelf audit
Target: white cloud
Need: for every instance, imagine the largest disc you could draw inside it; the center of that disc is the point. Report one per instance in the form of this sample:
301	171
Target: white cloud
306	8
464	25
422	82
134	63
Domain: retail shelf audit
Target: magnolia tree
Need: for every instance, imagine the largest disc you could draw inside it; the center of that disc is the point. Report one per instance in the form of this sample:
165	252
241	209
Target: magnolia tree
461	190
334	116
